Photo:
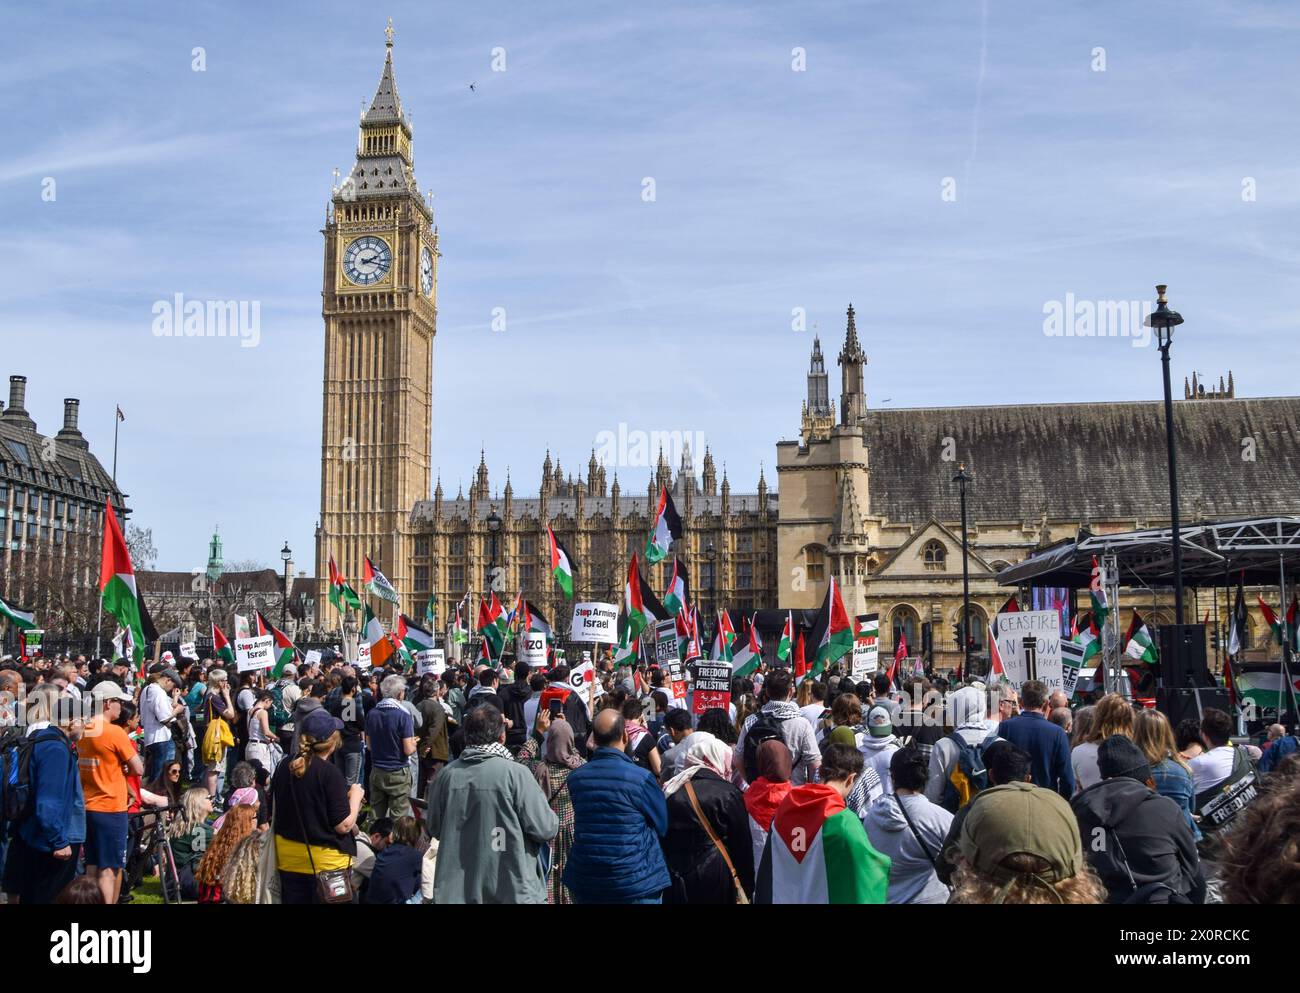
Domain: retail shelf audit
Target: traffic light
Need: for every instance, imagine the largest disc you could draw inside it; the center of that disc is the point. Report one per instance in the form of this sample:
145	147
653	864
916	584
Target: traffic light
957	634
1214	637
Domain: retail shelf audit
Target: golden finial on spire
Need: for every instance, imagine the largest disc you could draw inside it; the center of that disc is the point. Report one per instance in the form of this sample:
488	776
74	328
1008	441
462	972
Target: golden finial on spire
388	33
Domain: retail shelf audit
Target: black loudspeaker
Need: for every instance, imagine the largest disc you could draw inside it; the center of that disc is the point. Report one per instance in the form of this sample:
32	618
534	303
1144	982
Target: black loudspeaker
1182	656
1181	704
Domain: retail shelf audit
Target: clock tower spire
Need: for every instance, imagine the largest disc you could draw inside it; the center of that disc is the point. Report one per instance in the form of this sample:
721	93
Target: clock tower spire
379	303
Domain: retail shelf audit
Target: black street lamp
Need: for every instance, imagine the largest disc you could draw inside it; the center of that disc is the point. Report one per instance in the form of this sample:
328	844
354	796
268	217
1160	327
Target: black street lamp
493	526
962	479
1163	321
286	556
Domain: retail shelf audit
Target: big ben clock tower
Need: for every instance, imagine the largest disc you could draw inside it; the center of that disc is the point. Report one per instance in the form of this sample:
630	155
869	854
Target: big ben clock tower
379	302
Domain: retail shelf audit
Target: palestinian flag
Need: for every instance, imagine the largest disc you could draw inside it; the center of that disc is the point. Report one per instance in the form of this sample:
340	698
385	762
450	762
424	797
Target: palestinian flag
1138	643
285	652
535	620
750	656
627	651
995	657
459	633
561	564
23	620
342	596
377	583
492	625
679	589
787	638
799	662
1100	606
667	526
381	648
1291	626
832	634
412	636
1263	686
117	586
1280	630
817	853
221	649
640	604
1088	637
1237	627
1271	620
724	636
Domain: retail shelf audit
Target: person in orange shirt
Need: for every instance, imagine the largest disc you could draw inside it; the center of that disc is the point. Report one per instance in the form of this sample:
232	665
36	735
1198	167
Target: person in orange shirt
105	756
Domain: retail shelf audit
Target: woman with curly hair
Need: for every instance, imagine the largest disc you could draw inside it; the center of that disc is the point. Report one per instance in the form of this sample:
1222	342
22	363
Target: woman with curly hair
1020	844
237	825
239	877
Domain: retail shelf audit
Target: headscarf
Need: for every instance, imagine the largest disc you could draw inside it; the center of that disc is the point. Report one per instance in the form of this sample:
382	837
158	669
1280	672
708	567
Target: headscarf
247	794
706	752
560	751
773	783
843	735
774	763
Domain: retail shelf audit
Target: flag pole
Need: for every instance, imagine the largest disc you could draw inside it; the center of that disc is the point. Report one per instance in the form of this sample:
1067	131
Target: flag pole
1286	643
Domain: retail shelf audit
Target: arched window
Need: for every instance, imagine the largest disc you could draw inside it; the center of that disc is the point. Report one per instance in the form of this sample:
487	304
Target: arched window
814	563
934	555
905	624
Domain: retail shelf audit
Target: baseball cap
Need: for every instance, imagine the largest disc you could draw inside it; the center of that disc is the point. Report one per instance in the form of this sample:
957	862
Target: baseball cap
319	723
107	690
289	670
879	723
1119	756
171	674
1020	818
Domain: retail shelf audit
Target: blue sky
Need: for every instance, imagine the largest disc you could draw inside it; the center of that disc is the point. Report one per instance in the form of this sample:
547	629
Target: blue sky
775	190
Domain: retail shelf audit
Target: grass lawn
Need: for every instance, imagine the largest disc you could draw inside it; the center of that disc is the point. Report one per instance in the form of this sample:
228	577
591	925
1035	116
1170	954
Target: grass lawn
149	891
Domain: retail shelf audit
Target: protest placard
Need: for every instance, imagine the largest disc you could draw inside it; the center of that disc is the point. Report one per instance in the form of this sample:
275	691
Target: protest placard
532	648
712	687
866	647
595	623
255	653
1045	627
432	660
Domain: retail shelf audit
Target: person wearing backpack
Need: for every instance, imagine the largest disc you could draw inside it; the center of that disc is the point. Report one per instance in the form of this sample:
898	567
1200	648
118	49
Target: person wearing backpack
972	731
44	807
780	717
1139	843
1004	763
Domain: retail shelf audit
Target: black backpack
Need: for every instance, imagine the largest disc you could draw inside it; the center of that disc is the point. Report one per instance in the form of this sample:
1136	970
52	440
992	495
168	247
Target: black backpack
17	798
766	727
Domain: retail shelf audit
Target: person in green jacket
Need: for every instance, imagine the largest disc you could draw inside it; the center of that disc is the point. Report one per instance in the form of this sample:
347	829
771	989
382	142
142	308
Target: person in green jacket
492	821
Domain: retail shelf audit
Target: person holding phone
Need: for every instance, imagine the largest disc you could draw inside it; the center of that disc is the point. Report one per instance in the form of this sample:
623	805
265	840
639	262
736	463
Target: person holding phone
552	739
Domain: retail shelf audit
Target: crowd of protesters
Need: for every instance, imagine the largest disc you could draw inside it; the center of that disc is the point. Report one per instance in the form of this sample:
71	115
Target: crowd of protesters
330	783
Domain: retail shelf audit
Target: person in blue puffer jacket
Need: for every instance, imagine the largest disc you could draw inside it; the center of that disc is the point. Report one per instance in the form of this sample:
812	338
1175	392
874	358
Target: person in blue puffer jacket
44	847
620	815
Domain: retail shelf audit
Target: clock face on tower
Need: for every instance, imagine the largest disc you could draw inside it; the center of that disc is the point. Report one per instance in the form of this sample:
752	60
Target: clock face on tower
426	271
367	260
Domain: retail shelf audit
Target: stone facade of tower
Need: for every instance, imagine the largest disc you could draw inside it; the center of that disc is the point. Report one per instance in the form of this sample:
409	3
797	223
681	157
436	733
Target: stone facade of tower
379	302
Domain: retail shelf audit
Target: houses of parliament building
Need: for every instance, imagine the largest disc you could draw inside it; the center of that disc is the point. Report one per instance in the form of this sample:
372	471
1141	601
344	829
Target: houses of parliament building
862	494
